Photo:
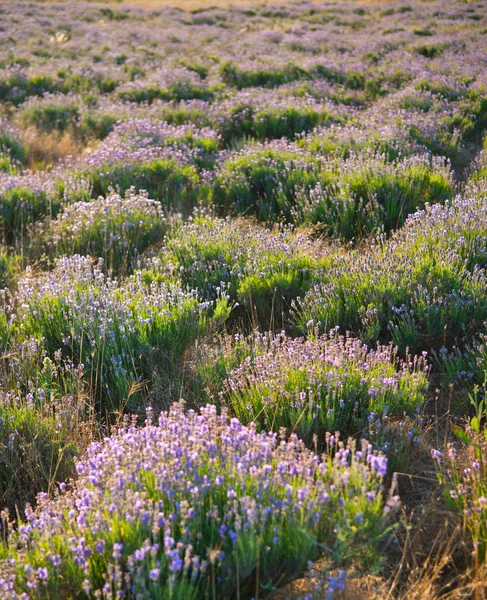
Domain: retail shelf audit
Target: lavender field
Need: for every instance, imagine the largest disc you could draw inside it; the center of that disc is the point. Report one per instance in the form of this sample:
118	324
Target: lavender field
243	300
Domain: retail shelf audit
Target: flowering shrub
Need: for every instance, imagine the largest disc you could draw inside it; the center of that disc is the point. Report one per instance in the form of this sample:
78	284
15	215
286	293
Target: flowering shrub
120	334
368	193
261	271
165	180
151	155
268	115
347	198
197	505
173	84
324	384
313	385
114	228
27	198
68	113
263	180
403	290
462	472
37	444
50	116
12	151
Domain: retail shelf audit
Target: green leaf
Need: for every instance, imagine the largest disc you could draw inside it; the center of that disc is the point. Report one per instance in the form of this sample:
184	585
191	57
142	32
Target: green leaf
462	436
475	425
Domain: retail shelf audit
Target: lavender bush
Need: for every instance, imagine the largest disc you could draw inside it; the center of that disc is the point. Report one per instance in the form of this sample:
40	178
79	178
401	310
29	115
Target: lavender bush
114	228
197	506
347	198
422	289
118	334
261	271
40	436
325	384
462	473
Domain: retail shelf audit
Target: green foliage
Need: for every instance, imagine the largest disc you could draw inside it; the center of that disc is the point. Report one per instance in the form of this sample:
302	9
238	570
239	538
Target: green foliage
21	207
180	115
70	118
261	272
115	229
50	117
177	91
163	179
17	87
9	268
119	335
369	194
314	385
273	123
37	446
96	126
233	75
263	182
345	198
12	148
430	50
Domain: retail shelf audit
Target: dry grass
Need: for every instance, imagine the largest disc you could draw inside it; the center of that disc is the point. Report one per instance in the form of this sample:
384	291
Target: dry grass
45	149
438	575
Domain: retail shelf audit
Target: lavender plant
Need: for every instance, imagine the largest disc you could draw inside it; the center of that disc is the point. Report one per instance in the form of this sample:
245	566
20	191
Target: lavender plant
313	385
116	229
198	506
38	443
462	473
118	334
260	271
422	289
12	150
347	199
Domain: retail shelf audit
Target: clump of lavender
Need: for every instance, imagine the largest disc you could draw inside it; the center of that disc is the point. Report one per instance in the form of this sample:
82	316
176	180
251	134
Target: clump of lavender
347	198
114	228
39	437
462	471
262	179
12	151
120	334
197	505
143	140
260	270
404	291
269	114
327	383
368	192
28	197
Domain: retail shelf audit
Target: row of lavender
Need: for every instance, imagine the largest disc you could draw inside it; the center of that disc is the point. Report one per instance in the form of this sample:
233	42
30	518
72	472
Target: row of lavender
130	280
